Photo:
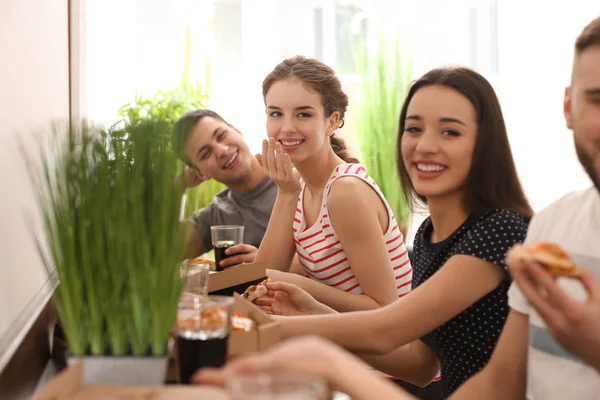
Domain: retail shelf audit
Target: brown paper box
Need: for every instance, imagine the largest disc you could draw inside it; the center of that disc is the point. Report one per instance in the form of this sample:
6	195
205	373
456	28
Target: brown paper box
236	279
267	333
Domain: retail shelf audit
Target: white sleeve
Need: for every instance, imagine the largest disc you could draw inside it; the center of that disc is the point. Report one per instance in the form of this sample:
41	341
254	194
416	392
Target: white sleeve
516	299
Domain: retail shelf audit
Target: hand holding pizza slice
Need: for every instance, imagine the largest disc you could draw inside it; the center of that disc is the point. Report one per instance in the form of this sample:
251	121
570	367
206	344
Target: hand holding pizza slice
549	255
256	291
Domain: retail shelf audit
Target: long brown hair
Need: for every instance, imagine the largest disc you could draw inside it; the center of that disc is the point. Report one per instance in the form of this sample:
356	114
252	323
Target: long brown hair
323	80
492	181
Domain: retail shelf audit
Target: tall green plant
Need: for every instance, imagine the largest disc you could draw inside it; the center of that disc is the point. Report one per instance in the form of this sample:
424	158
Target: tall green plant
385	75
110	217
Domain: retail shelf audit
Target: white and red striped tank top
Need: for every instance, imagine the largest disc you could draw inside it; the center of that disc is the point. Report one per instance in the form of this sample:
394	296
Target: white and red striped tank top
320	251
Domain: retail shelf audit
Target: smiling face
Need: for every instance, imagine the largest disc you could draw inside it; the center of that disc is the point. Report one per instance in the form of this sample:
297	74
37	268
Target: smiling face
582	110
296	119
218	151
438	140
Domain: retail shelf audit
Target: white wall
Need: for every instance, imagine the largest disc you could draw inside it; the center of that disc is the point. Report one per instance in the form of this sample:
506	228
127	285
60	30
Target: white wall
142	51
536	45
531	68
34	90
136	46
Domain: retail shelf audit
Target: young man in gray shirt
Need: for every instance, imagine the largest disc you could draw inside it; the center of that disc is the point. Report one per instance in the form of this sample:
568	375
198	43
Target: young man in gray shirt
214	149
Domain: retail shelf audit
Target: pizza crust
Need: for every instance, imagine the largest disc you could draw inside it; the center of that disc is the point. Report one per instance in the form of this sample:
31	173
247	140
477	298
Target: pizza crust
210	263
551	256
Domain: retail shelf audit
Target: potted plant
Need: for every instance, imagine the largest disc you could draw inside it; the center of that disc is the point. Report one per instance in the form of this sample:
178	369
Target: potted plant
111	234
385	75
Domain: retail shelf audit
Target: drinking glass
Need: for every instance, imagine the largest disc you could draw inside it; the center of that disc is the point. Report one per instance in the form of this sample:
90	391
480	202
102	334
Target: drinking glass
202	330
223	237
195	278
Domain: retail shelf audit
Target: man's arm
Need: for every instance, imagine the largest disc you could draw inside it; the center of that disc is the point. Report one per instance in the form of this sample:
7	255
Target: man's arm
505	375
194	242
189	178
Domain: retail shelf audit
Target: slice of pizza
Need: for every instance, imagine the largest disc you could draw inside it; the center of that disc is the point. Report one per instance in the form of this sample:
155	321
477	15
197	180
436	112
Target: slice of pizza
550	255
256	291
211	264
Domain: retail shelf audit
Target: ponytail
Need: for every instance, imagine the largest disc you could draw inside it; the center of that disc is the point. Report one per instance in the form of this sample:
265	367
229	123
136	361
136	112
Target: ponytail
341	150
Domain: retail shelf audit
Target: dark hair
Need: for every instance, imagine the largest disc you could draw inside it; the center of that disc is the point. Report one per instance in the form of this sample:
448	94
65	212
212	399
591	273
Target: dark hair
590	36
492	181
323	80
183	129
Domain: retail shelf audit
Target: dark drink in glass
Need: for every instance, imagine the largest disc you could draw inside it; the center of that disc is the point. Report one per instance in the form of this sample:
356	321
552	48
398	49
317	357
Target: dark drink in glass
196	350
220	248
202	330
224	236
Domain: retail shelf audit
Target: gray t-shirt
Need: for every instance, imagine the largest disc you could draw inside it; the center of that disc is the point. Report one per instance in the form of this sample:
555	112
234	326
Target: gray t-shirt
252	210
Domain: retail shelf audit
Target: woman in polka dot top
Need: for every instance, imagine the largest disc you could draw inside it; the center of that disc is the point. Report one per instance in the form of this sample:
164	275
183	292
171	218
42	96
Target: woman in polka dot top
453	156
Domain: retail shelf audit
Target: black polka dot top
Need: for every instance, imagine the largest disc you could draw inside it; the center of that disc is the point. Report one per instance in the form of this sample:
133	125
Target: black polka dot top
465	343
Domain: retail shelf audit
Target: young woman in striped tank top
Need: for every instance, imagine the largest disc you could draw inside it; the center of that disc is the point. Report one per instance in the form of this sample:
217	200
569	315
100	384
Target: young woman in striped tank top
328	211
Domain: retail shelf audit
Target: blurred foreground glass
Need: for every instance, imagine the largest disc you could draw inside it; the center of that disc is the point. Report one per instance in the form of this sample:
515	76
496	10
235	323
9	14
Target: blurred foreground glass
277	386
223	237
202	330
195	278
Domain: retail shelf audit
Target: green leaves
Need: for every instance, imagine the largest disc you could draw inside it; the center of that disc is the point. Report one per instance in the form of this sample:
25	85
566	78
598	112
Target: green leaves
165	106
385	78
169	106
110	215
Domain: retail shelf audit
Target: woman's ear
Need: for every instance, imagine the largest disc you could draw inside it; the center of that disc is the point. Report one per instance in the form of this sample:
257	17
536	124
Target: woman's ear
334	120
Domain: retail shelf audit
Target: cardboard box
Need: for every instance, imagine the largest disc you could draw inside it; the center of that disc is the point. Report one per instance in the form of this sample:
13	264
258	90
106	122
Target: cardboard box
267	333
237	279
69	385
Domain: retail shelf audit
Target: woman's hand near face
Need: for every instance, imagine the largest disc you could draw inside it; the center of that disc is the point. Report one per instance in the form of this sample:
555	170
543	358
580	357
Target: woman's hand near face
278	167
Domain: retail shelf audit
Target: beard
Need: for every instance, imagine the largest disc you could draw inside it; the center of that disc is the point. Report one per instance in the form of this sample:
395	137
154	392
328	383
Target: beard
587	161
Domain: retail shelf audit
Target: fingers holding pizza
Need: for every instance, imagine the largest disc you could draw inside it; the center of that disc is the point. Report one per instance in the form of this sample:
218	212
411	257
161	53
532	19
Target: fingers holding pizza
255	292
573	321
285	299
550	256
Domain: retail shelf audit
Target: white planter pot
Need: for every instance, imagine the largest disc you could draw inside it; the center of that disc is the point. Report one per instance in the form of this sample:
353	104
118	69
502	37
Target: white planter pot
123	370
